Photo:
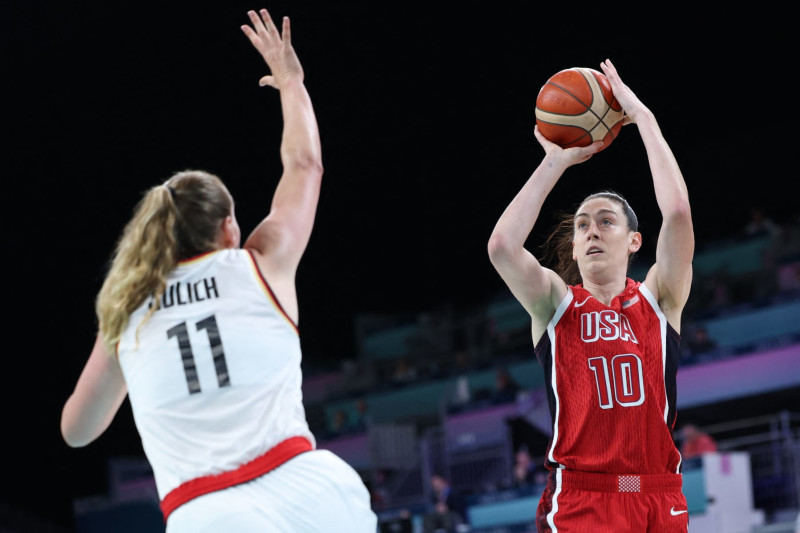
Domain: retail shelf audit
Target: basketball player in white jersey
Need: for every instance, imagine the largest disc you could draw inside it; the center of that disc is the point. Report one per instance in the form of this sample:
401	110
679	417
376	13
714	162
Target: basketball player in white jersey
201	335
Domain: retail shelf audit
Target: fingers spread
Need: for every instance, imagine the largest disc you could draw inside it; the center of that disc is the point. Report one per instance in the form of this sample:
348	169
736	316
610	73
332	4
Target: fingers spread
269	26
287	31
257	24
248	31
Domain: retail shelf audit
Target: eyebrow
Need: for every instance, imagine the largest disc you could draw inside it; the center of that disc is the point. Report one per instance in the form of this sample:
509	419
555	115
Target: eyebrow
599	212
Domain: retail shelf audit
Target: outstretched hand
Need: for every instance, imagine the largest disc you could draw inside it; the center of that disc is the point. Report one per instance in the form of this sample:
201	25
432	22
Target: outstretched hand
627	99
570	156
276	48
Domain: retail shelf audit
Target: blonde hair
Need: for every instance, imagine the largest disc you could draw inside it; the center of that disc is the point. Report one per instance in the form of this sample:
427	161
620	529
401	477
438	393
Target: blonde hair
176	220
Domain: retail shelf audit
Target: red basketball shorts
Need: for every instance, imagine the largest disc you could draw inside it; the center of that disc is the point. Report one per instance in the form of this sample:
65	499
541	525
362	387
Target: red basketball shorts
579	502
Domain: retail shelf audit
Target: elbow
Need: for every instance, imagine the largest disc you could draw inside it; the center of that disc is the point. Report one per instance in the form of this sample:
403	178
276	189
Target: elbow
71	438
306	161
498	248
312	165
74	438
72	430
74	443
310	168
681	212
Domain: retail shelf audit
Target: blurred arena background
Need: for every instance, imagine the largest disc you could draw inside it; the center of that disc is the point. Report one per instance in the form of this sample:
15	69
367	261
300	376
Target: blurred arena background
425	395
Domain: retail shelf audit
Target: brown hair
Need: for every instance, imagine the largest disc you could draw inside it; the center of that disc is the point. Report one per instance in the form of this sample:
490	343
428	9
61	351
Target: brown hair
558	245
176	220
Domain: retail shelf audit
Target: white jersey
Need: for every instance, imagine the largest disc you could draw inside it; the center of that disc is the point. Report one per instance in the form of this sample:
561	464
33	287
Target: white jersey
214	376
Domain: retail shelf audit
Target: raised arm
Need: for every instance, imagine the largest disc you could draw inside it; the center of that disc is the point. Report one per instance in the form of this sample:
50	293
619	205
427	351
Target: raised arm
281	238
537	288
671	276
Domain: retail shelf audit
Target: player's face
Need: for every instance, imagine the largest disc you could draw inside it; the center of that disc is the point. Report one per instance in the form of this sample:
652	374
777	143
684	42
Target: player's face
602	239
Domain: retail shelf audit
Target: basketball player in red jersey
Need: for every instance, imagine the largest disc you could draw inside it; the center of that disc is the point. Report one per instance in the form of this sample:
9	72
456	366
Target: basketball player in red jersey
608	344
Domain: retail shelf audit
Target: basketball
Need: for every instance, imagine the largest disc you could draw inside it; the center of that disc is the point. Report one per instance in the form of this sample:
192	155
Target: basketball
576	107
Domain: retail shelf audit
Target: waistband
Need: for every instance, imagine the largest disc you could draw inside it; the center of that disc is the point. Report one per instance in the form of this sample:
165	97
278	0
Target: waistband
273	458
591	481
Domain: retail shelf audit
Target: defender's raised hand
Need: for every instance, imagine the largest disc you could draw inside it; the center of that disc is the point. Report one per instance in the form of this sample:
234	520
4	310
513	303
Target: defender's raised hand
276	48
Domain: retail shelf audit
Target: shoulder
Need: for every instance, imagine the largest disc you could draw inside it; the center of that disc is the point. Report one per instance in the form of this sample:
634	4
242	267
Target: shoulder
215	257
235	258
234	265
236	255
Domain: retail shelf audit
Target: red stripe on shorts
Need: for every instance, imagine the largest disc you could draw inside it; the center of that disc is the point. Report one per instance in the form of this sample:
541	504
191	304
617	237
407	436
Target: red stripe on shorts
273	458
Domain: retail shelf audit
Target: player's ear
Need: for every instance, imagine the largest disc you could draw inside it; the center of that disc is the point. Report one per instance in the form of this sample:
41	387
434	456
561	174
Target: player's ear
636	242
228	233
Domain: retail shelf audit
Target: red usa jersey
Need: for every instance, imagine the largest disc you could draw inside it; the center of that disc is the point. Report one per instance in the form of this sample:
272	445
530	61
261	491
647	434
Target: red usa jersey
610	373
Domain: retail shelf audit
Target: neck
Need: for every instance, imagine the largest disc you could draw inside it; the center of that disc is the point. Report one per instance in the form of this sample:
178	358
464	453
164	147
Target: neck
605	291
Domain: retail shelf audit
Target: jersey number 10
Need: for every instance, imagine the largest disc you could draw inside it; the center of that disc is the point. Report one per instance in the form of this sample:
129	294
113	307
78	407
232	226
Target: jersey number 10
625	379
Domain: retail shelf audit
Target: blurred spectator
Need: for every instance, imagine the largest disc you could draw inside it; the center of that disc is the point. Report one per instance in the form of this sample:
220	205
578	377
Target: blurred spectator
447	511
340	423
403	371
766	283
789	277
540	475
496	335
789	245
720	293
524	471
358	374
462	364
701	341
461	392
401	523
505	388
761	225
696	442
379	493
433	336
364	420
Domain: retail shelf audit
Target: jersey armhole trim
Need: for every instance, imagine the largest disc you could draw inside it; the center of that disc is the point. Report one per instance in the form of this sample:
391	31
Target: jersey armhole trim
651	299
562	307
268	291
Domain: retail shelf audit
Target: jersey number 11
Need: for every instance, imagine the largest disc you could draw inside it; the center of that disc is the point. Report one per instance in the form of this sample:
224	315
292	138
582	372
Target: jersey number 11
181	332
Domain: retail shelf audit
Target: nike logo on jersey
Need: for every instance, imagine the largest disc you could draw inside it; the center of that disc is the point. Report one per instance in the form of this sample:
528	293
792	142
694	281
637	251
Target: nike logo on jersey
583	302
673	512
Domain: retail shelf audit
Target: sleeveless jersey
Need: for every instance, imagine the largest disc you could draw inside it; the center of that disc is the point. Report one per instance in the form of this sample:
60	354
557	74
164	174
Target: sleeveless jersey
610	373
213	375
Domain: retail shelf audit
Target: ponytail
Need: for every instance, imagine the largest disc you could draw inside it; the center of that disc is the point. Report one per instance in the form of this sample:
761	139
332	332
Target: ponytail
558	250
145	254
173	221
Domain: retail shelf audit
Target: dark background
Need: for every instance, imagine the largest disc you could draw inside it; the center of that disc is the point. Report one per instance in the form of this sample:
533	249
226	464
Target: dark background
426	116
